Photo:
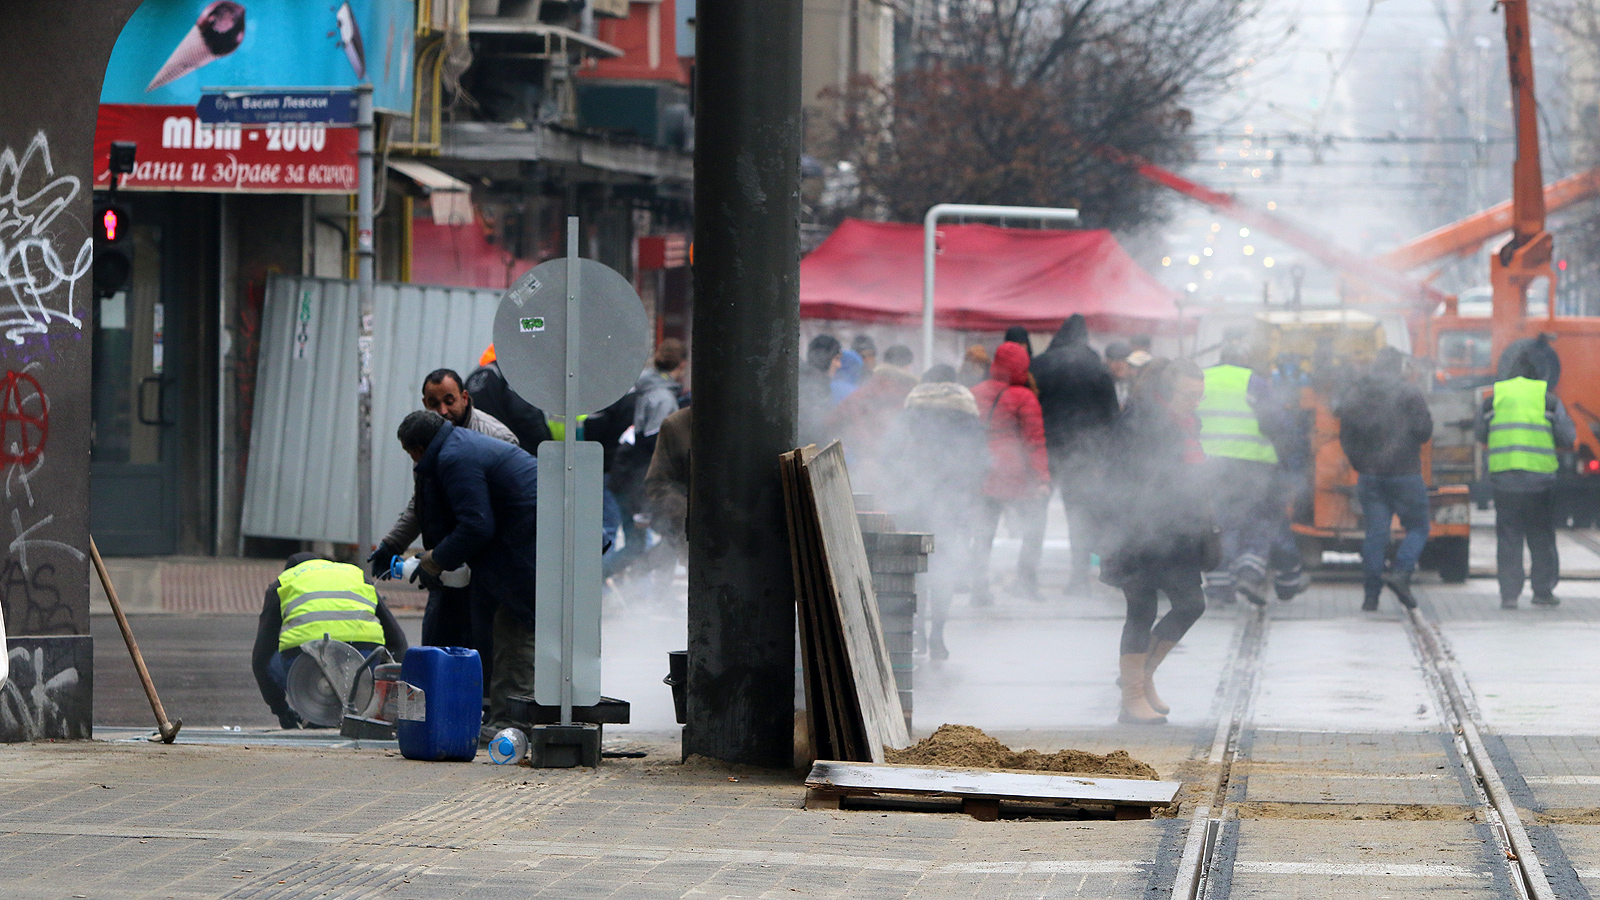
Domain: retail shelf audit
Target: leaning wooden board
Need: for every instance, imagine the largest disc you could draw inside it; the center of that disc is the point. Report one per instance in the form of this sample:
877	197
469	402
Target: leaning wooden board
849	580
981	790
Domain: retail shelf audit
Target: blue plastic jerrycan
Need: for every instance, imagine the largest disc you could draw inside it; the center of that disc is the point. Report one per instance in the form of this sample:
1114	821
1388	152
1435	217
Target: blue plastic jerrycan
444	726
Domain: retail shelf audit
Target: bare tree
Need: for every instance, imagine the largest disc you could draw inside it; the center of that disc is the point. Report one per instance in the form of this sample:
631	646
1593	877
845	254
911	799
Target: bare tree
1018	101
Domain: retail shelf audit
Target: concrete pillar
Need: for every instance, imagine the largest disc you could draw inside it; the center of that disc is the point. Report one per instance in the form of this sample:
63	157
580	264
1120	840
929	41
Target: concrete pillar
746	336
52	57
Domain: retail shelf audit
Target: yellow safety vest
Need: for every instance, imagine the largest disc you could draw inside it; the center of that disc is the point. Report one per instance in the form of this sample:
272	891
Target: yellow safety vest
1519	433
1228	426
320	597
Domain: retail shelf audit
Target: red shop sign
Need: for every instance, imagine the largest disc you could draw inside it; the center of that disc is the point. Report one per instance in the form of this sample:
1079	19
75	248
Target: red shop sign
178	152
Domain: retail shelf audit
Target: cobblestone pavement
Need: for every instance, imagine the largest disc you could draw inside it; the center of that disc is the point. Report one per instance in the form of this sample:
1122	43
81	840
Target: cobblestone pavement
1348	782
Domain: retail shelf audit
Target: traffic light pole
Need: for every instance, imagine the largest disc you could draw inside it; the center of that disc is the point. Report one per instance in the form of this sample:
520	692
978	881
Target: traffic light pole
364	266
746	344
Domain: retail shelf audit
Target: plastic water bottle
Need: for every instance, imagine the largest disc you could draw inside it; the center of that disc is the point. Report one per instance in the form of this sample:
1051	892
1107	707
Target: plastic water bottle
508	747
401	569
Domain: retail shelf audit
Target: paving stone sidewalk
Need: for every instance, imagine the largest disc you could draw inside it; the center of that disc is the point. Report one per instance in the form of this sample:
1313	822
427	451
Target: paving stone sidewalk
134	820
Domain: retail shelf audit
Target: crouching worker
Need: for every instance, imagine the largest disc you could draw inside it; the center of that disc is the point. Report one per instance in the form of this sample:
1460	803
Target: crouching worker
315	597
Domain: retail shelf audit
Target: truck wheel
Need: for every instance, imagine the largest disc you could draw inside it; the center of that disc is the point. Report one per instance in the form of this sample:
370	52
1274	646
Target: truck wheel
1454	559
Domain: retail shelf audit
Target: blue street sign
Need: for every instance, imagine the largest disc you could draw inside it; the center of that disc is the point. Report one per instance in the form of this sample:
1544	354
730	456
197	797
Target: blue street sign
266	107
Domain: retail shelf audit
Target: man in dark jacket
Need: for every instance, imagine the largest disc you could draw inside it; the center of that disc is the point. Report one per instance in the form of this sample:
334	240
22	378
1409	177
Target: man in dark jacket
478	498
1079	398
816	388
1383	423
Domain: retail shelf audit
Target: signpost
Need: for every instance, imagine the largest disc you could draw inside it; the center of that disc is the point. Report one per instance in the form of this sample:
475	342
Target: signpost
251	106
594	316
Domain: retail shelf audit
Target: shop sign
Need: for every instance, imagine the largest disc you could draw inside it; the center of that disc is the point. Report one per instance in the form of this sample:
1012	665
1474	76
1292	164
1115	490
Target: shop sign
172	51
178	152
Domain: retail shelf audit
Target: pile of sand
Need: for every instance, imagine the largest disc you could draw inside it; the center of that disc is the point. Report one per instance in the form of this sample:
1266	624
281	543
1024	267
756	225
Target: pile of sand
963	745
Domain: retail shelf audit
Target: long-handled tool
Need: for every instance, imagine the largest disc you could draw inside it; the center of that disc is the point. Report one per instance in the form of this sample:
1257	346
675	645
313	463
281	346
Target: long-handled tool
168	730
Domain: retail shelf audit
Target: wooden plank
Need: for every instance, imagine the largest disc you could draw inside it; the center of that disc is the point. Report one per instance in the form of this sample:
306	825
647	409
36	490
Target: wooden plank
827	716
841	716
850	580
844	777
808	665
852	731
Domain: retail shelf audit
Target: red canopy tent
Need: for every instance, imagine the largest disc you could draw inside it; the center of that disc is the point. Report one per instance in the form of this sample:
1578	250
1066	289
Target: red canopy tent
988	279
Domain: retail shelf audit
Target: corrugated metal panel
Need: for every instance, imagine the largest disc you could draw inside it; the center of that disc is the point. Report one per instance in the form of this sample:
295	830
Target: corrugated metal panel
300	482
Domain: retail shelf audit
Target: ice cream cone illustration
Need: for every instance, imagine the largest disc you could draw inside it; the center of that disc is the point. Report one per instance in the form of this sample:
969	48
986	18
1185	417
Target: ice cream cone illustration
350	39
218	32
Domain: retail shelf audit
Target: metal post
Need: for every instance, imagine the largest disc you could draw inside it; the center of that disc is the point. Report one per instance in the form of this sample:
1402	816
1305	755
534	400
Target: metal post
364	176
930	225
746	338
569	442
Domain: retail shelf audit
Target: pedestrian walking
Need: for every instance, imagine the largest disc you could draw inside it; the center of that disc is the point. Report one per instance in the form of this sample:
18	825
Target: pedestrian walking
1017	484
1159	530
861	419
1117	353
1383	423
847	377
937	450
1079	399
657	395
478	499
1242	464
1524	424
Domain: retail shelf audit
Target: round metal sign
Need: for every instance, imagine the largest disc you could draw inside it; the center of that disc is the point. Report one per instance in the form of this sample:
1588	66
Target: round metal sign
530	336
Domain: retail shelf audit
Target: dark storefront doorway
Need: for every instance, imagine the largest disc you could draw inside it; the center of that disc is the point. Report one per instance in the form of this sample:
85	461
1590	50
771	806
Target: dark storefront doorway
145	343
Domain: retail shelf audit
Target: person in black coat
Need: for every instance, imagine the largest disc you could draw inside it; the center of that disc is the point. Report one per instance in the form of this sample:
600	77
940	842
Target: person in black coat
493	395
1159	528
1383	422
1079	399
478	501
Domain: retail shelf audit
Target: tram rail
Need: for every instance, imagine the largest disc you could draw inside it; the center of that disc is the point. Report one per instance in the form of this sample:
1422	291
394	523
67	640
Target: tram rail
1201	866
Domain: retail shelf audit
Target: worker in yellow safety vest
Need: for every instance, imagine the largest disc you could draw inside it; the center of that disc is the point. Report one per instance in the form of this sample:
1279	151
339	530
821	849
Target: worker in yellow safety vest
313	598
1524	425
1243	465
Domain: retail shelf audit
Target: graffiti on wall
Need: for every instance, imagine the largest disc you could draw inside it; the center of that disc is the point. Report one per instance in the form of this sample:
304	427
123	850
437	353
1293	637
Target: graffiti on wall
49	689
42	274
42	286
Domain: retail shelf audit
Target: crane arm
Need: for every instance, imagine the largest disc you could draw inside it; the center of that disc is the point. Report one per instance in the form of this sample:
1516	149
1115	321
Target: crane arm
1464	236
1319	248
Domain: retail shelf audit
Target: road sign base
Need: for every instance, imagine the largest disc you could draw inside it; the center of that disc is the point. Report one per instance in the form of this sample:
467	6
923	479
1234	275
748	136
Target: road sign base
564	746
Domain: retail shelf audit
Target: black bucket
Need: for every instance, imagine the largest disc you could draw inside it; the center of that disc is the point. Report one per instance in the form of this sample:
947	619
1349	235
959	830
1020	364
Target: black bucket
678	679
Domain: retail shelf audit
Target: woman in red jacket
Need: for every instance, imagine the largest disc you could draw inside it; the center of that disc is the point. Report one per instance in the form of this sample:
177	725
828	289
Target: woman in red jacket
1018	482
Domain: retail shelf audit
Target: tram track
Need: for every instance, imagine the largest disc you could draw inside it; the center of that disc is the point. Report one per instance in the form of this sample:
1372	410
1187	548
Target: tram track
1206	865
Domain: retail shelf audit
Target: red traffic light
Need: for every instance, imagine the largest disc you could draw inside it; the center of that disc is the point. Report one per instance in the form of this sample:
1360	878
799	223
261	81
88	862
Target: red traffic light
109	223
1593	465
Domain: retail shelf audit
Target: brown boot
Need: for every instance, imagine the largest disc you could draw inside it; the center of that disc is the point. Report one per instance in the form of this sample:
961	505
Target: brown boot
1158	652
1135	710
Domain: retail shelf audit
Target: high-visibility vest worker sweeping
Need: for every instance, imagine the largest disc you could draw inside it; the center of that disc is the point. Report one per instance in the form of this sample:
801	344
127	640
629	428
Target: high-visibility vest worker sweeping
319	598
1519	432
1228	426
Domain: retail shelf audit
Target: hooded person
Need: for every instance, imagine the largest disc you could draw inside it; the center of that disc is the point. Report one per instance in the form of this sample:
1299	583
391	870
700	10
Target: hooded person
816	391
1018	480
937	450
1079	399
1383	422
1525	428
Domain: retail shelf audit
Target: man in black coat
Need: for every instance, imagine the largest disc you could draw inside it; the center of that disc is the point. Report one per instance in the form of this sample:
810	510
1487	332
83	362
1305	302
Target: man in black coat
1383	423
480	497
1079	399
